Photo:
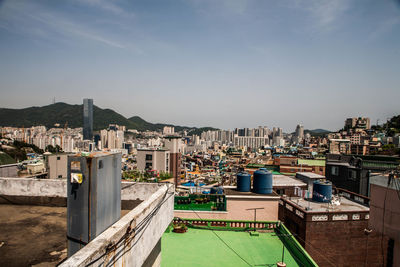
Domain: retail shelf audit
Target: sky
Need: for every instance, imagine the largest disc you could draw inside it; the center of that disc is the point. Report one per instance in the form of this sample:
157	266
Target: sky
220	63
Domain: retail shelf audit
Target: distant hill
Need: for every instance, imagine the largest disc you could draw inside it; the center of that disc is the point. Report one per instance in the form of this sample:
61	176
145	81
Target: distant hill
317	132
6	159
63	113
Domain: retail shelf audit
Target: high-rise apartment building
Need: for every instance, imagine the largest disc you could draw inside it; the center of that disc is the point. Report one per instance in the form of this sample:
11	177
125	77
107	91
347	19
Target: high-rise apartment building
299	134
174	145
358	123
168	130
87	119
113	137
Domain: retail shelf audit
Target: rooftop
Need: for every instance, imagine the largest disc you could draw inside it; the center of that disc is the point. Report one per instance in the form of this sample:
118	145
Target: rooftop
201	246
310	175
203	202
33	235
312	162
312	206
283	180
231	191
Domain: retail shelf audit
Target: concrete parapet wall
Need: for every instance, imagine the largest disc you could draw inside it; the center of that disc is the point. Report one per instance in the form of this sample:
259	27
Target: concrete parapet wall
124	244
53	192
33	187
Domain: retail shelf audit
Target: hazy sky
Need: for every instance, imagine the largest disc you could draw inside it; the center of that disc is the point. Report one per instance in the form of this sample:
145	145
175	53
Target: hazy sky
228	63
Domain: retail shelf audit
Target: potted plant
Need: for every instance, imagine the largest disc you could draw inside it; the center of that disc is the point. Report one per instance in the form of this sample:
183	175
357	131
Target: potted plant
179	227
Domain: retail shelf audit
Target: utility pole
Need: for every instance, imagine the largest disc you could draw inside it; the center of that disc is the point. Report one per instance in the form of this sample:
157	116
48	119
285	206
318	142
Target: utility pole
255	215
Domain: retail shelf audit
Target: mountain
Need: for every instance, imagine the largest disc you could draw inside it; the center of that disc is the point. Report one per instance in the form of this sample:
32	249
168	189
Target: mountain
317	132
63	113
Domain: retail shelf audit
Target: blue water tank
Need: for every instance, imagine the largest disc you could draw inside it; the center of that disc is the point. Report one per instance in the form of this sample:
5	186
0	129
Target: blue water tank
262	182
322	191
243	182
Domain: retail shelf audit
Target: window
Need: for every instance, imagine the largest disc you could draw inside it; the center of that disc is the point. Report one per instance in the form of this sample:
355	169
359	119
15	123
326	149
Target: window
149	157
352	175
58	158
335	170
280	191
60	176
149	165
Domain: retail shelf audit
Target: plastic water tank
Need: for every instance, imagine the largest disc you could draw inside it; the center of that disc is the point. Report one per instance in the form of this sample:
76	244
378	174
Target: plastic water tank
322	191
243	182
262	182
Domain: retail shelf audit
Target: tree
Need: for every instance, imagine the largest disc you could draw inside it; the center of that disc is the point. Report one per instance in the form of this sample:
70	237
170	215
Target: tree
53	149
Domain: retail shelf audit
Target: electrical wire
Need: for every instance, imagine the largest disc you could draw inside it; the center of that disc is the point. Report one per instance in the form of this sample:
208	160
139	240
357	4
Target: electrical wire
140	228
330	262
266	264
212	230
298	260
366	248
383	221
116	257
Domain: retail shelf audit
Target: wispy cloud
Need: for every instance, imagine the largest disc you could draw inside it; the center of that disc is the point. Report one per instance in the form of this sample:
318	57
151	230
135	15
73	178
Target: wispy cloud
325	13
232	7
40	22
107	5
384	27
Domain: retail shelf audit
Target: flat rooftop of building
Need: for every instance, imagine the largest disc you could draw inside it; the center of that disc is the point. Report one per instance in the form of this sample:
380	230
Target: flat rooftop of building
310	175
231	191
152	149
93	154
346	205
311	162
203	247
33	235
284	180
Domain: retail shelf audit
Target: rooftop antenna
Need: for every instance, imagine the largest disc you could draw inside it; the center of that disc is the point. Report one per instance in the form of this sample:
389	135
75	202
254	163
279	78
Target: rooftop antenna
255	215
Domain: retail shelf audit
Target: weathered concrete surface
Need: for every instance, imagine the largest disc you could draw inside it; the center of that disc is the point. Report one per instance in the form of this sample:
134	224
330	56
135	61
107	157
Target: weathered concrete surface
33	187
133	249
32	235
9	170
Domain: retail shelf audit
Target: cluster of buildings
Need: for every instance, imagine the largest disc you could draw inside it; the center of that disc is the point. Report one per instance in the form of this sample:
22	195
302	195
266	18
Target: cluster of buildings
251	138
357	137
322	198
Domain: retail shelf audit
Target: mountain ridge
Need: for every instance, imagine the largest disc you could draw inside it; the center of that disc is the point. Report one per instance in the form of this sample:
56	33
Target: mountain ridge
72	115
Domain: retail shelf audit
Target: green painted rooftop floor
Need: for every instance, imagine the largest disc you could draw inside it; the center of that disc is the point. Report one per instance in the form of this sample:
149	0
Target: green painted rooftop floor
198	247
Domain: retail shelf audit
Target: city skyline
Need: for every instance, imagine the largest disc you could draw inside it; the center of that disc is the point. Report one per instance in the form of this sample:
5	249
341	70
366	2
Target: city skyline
223	64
